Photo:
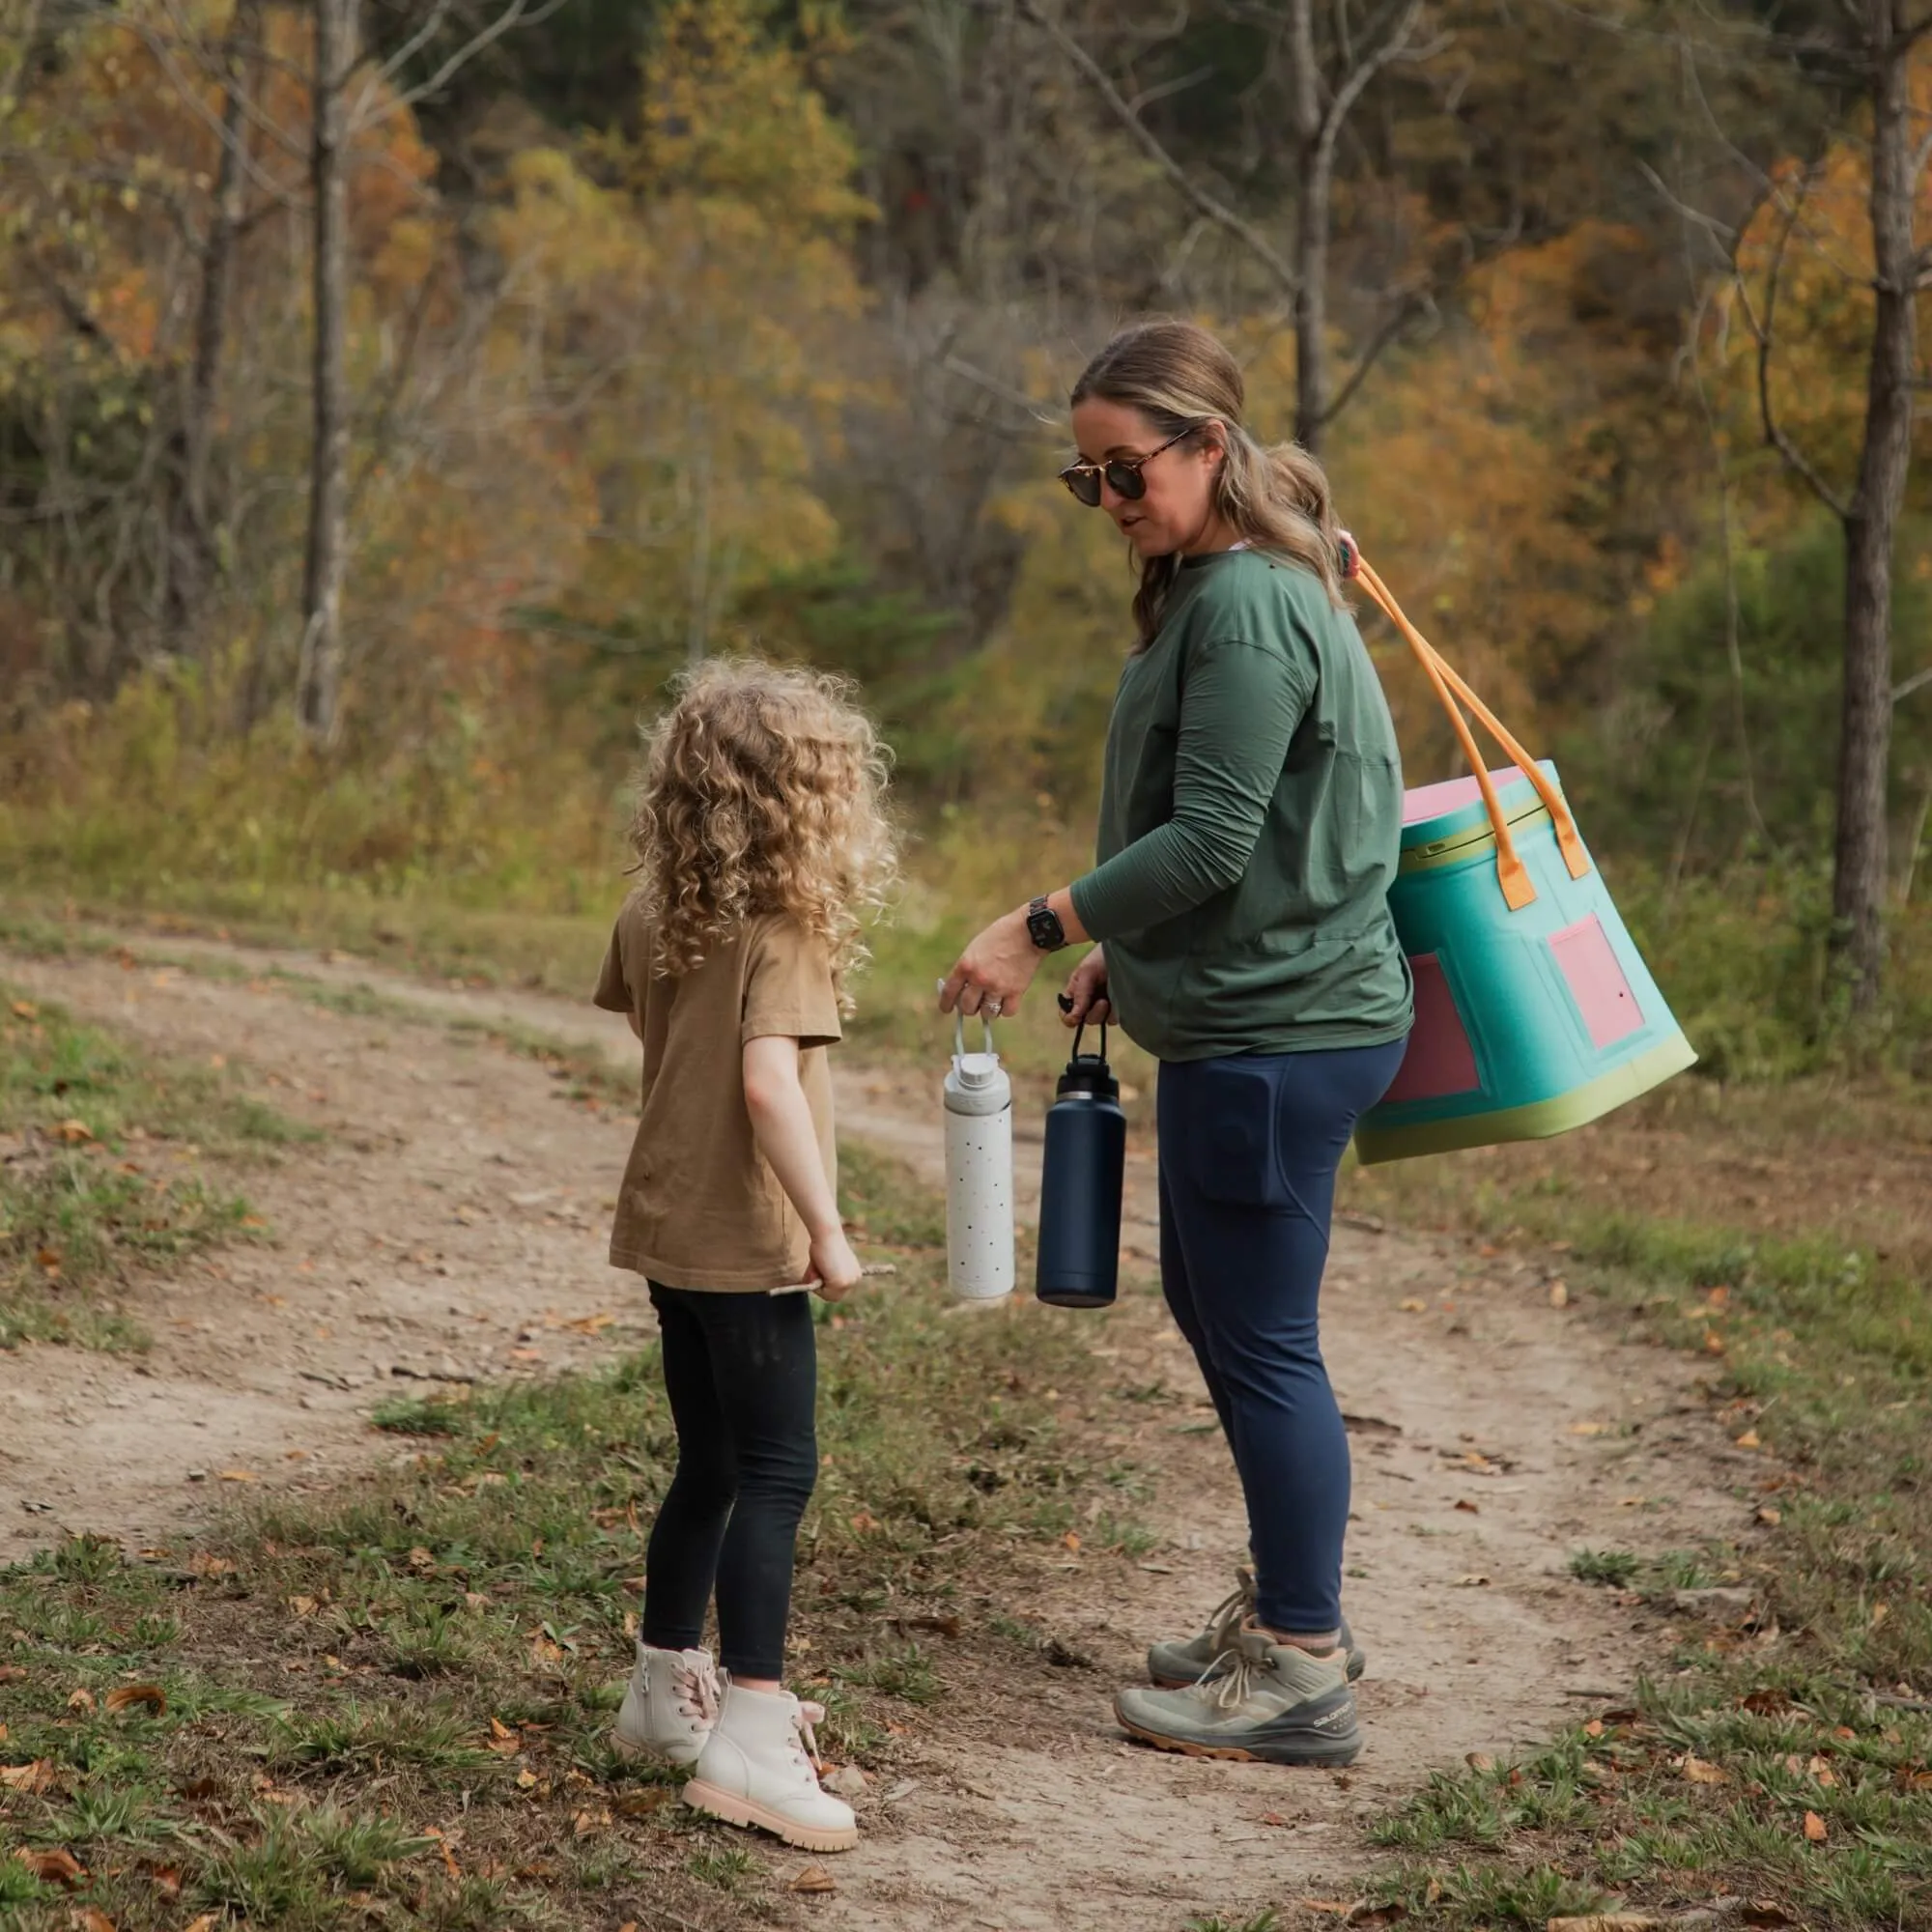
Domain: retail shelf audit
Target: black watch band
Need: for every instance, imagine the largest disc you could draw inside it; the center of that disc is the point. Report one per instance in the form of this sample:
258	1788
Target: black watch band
1044	926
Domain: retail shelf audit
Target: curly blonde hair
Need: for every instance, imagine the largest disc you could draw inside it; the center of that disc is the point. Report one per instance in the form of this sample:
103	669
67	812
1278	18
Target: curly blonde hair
762	790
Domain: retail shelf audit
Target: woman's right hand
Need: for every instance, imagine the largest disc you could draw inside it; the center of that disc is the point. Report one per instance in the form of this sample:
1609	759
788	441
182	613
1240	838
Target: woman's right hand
1087	992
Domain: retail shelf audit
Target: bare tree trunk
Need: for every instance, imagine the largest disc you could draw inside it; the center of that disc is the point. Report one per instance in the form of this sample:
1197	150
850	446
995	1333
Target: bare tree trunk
191	557
1859	869
319	683
1316	155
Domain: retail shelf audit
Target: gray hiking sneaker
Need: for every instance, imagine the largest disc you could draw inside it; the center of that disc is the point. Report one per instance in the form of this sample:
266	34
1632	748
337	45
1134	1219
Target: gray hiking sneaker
1180	1661
1272	1704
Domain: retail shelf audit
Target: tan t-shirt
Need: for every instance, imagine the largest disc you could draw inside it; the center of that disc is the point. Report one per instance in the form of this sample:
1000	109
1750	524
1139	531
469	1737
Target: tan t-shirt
700	1206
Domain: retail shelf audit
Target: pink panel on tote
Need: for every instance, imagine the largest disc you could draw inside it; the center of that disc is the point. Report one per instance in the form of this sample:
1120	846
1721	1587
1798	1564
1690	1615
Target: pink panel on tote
1439	1059
1597	982
1432	801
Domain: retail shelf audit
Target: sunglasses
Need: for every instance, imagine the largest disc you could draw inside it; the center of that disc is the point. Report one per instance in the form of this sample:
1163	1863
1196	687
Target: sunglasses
1122	475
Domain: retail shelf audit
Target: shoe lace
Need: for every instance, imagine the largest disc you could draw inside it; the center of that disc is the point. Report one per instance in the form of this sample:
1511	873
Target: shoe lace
805	1737
696	1689
1225	1620
1231	1689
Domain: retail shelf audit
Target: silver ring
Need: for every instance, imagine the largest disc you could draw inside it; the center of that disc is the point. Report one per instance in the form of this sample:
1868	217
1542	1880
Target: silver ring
994	1007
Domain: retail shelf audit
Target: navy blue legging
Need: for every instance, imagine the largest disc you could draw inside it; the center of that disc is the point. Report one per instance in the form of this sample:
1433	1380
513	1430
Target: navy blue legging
1249	1147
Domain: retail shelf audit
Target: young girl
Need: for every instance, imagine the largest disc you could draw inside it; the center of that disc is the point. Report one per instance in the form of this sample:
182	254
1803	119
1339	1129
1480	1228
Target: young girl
760	834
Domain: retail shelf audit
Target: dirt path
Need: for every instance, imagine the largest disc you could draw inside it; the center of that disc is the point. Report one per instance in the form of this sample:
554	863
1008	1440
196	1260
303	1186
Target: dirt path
452	1226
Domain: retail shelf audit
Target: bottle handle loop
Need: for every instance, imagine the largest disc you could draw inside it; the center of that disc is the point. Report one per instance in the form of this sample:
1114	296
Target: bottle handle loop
959	1034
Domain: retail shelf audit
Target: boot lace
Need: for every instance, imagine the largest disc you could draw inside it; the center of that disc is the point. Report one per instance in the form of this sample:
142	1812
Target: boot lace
695	1687
805	1740
1225	1622
1231	1689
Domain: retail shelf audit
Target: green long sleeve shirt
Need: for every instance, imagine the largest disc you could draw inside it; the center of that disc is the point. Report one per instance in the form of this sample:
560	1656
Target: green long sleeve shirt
1250	823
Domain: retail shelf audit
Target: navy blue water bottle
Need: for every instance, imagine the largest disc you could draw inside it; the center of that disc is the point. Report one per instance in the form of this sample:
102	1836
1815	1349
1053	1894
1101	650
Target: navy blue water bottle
1080	1181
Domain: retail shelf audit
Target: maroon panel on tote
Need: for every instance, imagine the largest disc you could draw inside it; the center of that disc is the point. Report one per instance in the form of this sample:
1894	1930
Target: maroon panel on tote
1439	1061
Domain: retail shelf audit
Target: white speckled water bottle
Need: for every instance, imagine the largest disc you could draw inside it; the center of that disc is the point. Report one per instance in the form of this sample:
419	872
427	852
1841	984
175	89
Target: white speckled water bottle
979	1171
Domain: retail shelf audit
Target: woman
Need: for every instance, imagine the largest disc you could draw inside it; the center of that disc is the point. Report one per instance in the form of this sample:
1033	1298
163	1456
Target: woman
1250	819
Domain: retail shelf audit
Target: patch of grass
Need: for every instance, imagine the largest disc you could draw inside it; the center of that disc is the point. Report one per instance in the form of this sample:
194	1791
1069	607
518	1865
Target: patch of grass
905	1674
1782	1751
1613	1567
110	1159
390	1702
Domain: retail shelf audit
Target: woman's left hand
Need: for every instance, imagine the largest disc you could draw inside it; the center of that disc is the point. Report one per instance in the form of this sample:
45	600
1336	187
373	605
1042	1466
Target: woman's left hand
994	971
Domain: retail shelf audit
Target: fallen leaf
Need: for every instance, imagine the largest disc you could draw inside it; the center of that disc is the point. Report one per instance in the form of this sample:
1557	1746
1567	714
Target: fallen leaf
1463	1503
527	1781
53	1867
1700	1771
1749	1440
237	1475
73	1131
1814	1828
1479	1761
302	1606
12	1673
422	1559
813	1878
131	1694
1606	1922
1588	1428
1594	1728
165	1879
1559	1295
1071	1540
80	1700
1771	1517
1414	1307
1821	1769
1880	1612
1271	1818
206	1922
25	1010
33	1778
641	1803
1714	1343
90	1918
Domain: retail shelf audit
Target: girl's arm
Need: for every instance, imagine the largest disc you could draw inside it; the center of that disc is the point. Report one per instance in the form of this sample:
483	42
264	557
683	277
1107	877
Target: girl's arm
783	1126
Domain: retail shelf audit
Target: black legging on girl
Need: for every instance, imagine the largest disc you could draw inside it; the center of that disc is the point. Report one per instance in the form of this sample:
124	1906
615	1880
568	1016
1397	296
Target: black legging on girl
742	1373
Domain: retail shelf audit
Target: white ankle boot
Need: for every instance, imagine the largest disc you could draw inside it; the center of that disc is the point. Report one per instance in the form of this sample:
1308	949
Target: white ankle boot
669	1707
760	1767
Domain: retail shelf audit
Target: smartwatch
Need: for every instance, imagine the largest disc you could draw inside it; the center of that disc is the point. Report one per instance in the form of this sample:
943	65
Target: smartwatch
1044	926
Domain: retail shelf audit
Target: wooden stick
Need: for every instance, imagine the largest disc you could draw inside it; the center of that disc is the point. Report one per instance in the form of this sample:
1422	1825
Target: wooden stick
870	1269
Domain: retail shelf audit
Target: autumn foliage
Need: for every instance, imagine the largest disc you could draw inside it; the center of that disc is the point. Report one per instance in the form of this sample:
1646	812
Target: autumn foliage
763	347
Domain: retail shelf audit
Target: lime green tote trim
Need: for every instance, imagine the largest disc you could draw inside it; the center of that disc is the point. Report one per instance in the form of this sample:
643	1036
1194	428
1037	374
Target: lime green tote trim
1535	1121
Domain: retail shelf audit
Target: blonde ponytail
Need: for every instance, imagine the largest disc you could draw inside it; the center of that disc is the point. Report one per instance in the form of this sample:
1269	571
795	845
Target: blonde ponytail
1276	497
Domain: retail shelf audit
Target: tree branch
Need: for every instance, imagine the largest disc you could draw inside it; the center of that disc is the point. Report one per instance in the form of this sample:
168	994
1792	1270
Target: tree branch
1217	212
513	14
1917	681
1412	302
1400	22
1774	433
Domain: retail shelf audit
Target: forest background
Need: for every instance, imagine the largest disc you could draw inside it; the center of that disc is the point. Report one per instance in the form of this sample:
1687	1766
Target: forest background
394	397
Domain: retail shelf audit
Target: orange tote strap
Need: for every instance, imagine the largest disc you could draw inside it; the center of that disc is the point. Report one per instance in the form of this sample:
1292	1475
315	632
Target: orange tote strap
1449	686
